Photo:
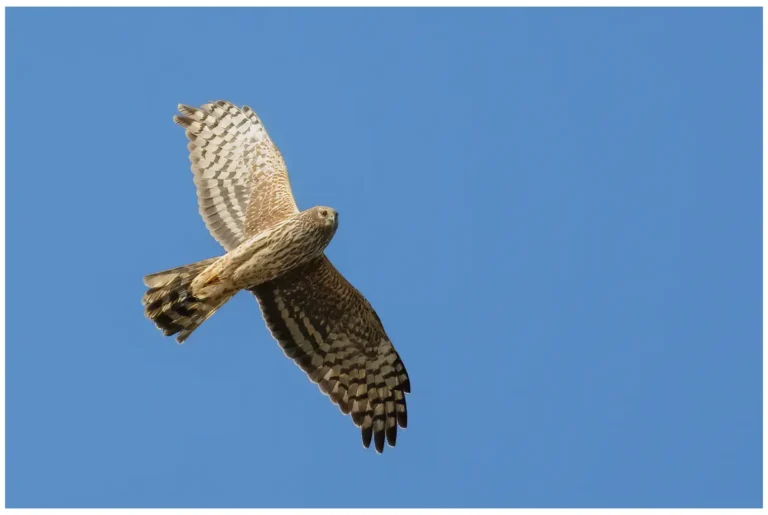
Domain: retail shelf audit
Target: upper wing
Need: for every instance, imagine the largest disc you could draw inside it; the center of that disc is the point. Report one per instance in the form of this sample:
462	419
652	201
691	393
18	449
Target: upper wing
331	331
242	183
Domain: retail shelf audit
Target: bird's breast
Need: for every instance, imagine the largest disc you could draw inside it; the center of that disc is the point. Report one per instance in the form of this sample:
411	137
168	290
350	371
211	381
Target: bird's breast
274	253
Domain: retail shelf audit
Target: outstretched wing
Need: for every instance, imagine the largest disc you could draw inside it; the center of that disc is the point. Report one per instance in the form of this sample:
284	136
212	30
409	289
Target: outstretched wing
331	331
241	178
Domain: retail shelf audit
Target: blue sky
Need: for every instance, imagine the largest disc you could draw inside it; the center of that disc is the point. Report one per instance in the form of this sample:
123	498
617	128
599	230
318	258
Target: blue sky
555	212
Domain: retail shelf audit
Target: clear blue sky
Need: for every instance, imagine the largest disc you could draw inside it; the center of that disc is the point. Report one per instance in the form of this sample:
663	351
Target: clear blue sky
556	213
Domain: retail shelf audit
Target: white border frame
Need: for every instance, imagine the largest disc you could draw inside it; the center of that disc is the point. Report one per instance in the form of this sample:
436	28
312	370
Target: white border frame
365	3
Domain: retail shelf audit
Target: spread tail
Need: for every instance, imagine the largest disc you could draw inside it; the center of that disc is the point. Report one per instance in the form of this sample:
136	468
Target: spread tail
169	303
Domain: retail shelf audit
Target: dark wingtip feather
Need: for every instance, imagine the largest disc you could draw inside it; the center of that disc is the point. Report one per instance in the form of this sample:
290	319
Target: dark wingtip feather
358	417
378	441
367	433
392	435
406	386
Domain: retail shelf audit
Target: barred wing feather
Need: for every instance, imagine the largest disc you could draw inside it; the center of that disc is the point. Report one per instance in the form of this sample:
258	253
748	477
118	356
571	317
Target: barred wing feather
331	331
241	178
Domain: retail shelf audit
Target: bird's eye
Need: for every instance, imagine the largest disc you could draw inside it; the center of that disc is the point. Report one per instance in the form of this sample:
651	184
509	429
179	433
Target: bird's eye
324	212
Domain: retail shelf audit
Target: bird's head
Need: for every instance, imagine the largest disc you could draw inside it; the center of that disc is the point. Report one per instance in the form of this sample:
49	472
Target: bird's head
326	216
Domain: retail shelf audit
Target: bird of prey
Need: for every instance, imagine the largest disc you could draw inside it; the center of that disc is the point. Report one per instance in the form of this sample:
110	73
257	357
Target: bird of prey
276	252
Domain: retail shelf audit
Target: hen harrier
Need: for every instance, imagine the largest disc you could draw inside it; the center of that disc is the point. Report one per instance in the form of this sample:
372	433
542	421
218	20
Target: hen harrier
275	251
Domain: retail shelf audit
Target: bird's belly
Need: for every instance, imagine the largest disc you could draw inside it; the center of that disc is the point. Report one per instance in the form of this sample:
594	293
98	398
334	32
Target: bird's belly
270	260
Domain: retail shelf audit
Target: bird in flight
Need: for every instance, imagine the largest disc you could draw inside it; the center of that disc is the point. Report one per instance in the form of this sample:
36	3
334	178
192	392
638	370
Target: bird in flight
276	252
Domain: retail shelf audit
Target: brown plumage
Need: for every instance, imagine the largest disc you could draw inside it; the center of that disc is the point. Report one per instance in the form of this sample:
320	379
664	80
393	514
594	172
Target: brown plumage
319	319
338	340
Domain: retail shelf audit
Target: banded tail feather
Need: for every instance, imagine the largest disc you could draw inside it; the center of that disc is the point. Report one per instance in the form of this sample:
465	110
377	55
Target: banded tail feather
169	302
